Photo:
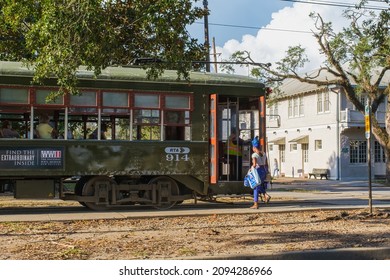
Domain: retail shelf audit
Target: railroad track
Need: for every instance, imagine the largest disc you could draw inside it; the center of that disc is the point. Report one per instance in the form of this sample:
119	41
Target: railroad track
60	213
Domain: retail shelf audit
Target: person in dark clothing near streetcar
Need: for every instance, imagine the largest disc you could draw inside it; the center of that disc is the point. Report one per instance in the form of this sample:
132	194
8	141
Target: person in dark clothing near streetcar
235	155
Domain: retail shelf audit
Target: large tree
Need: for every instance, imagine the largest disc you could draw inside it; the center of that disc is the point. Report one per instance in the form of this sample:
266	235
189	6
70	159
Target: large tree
357	59
58	36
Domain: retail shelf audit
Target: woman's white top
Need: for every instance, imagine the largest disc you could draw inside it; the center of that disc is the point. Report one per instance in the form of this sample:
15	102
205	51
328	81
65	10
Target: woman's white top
260	160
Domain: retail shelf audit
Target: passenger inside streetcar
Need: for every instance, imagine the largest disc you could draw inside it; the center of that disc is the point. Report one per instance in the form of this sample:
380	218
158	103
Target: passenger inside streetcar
44	130
7	131
95	133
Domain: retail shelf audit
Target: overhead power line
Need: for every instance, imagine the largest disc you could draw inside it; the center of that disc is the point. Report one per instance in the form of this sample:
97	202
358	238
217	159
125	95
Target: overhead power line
256	27
316	2
337	4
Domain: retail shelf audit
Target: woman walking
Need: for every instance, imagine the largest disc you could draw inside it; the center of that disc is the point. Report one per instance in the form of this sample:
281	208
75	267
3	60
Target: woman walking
276	168
259	162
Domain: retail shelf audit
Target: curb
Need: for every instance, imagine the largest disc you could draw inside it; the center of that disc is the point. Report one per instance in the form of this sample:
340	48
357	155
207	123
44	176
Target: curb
366	253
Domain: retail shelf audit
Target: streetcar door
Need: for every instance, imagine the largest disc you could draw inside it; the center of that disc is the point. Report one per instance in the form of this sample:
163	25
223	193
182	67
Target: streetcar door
238	123
213	139
229	139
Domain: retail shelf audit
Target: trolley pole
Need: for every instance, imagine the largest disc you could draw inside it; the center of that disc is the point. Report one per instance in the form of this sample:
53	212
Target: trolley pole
206	35
367	117
215	56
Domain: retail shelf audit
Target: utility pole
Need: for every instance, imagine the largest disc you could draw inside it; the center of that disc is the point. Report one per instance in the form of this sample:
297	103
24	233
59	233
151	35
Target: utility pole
206	35
367	110
215	56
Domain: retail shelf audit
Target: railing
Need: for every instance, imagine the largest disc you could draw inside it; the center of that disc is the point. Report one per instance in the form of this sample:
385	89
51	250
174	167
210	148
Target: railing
353	116
273	121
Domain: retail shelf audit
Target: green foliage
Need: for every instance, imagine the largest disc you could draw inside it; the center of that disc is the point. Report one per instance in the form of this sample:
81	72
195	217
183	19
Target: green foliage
58	36
352	56
294	60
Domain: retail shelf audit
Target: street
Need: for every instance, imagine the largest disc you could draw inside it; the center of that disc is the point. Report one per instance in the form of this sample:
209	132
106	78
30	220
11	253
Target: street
288	194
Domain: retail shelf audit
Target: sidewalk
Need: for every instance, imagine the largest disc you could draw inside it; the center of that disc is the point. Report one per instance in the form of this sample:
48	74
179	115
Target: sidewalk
283	182
312	181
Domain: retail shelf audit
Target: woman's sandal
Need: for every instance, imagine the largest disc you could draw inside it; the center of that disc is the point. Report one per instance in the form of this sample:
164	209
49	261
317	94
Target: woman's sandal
254	206
268	199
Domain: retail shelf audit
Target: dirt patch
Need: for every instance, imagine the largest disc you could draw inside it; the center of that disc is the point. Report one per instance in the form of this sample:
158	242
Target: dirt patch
194	237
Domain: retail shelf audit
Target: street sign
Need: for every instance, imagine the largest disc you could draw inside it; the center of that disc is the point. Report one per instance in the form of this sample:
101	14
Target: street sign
367	118
367	122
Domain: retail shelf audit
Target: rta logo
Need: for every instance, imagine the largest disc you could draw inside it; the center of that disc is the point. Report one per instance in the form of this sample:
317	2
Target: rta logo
50	154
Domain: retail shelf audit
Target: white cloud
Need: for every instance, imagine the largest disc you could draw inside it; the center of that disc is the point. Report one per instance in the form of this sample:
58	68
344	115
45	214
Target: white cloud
270	46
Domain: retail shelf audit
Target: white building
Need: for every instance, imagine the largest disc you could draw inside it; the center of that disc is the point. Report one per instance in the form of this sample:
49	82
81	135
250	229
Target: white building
317	127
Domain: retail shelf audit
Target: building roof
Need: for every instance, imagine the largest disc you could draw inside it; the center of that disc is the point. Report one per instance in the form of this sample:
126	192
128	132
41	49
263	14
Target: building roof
278	141
18	69
293	87
304	139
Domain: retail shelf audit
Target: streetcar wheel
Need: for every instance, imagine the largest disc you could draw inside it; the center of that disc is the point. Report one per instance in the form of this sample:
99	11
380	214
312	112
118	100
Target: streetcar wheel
78	188
89	190
163	196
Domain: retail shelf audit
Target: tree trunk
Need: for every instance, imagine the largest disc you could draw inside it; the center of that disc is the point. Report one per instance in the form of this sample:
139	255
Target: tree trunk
382	136
387	166
386	144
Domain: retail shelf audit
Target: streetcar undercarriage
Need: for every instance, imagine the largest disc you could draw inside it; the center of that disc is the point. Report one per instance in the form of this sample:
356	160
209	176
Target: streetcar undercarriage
103	192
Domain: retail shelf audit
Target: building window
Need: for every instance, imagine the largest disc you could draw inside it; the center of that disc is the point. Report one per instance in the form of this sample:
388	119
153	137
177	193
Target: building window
379	153
293	147
282	150
357	151
319	103
295	107
323	102
276	111
326	102
363	100
273	112
305	152
318	145
301	107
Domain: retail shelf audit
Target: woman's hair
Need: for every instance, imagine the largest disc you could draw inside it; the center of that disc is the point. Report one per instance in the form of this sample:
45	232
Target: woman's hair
44	118
5	124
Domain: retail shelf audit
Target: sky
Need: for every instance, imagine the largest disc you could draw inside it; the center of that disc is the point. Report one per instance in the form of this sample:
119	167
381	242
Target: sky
266	28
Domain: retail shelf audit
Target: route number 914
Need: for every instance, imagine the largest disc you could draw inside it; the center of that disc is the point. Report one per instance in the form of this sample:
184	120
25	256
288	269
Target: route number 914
177	153
177	157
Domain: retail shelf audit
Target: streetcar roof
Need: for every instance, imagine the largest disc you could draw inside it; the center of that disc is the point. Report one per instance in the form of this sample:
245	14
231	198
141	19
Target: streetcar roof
18	69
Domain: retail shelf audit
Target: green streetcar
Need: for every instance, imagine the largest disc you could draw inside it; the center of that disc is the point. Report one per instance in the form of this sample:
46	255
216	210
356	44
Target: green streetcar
127	139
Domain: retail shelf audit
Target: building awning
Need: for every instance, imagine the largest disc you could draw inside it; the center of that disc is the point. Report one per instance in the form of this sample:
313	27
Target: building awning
301	140
278	141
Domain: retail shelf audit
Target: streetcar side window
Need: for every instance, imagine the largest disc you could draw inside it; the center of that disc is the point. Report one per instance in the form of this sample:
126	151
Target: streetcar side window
146	125
124	115
177	121
14	112
42	97
87	99
115	103
162	116
146	101
14	95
